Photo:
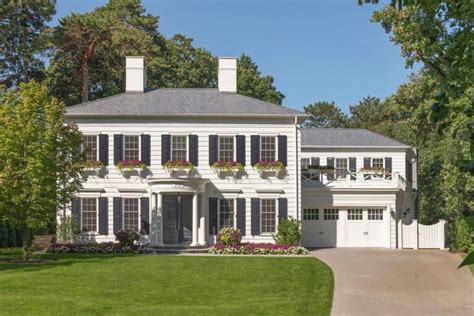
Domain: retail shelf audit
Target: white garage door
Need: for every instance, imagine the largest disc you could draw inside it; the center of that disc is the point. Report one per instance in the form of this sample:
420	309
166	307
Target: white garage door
337	227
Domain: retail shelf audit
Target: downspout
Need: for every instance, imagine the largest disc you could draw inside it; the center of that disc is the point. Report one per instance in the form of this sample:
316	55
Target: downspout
297	171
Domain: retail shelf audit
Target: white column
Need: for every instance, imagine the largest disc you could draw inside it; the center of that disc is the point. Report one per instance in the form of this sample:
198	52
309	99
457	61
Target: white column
195	220
202	221
159	217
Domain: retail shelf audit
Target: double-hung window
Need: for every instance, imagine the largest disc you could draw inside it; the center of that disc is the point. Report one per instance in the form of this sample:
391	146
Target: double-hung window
341	168
268	215
267	148
131	147
377	163
179	148
131	213
89	146
304	168
226	213
89	214
226	148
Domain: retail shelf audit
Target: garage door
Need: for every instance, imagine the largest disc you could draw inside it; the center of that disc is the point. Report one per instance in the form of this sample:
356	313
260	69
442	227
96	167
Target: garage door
351	227
365	228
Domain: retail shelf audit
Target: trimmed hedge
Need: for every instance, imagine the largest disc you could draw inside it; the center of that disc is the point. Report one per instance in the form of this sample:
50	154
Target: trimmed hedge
105	247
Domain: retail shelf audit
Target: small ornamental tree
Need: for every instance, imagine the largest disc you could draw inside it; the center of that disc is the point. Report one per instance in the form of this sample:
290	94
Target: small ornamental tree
39	158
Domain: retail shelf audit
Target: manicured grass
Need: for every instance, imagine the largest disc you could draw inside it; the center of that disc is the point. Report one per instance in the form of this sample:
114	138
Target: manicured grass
166	285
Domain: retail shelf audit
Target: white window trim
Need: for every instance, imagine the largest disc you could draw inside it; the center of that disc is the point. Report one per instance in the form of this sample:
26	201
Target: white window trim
219	211
372	161
97	143
347	167
187	144
96	231
139	146
375	220
276	217
355	209
277	158
139	211
234	156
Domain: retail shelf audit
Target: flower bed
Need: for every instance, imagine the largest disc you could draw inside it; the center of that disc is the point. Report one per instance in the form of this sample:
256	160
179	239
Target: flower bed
173	165
105	247
258	249
130	165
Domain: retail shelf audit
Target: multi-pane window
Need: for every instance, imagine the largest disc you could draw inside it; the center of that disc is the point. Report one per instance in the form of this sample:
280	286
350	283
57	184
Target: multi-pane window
130	214
331	214
304	167
131	147
226	148
354	214
268	215
377	162
89	146
310	214
375	214
267	148
89	214
178	148
226	213
341	167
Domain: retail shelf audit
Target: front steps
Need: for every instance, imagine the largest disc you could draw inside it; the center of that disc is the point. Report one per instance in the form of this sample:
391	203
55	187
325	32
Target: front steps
177	249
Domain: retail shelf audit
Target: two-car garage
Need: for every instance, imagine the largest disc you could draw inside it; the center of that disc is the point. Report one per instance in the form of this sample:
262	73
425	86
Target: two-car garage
346	226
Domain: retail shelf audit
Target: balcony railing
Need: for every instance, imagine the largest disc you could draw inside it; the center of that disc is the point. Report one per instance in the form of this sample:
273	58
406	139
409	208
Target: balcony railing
354	180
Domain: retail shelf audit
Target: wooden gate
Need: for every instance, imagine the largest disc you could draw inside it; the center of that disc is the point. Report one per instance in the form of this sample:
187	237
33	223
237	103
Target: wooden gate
421	236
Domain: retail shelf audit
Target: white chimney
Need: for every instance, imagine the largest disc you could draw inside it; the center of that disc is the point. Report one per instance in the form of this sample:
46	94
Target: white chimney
135	74
227	75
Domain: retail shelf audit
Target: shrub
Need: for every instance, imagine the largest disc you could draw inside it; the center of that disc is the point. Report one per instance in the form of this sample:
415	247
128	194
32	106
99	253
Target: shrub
229	236
258	249
67	229
127	238
105	247
462	242
289	232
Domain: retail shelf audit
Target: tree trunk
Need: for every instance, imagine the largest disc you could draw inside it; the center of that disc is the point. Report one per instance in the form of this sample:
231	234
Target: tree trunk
26	243
85	80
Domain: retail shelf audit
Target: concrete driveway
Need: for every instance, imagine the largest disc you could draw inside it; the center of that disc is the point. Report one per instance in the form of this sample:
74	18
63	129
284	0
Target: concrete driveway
398	282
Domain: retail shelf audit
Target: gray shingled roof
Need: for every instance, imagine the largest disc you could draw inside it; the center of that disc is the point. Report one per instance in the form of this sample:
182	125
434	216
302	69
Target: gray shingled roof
349	137
179	102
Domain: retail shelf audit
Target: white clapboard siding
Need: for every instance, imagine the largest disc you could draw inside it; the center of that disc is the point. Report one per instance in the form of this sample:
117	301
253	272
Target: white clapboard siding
249	184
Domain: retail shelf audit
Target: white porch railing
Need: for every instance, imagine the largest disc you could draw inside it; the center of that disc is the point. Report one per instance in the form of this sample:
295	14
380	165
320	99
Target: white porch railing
354	180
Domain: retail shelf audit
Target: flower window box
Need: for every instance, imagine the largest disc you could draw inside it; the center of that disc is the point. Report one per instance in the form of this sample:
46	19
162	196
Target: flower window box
223	168
92	166
273	167
129	167
176	167
320	169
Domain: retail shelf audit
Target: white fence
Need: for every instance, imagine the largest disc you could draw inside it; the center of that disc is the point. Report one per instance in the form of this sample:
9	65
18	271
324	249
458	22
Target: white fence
419	236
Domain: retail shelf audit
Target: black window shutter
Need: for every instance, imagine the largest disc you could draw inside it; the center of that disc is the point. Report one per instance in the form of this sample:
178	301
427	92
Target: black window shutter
213	152
330	163
388	166
165	148
282	209
76	212
213	216
145	215
315	162
240	140
282	149
146	153
241	215
193	149
255	213
118	148
366	165
103	216
353	167
104	149
255	149
117	214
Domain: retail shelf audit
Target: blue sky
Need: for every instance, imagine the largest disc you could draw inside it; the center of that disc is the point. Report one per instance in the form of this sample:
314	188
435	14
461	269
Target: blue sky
316	50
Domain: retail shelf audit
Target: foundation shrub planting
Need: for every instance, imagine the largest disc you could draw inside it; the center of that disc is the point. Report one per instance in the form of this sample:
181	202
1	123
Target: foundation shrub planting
105	247
229	236
127	238
258	249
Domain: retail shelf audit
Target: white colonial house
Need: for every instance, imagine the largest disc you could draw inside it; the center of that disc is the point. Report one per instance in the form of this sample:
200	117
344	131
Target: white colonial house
177	165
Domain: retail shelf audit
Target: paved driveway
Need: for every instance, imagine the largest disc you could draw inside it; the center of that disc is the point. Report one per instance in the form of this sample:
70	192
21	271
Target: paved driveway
398	282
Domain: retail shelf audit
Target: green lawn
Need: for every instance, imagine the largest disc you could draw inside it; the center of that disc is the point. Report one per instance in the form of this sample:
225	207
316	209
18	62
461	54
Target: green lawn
166	285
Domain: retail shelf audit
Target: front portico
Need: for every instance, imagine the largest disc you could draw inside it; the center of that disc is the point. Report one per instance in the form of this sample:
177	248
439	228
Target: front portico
179	213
